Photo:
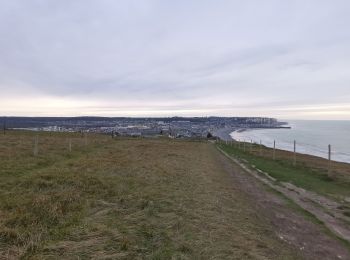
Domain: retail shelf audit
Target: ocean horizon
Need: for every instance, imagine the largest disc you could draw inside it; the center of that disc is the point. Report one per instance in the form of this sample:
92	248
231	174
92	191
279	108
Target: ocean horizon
312	137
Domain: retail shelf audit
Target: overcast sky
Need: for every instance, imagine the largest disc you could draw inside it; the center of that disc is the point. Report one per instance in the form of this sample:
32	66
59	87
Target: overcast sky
285	59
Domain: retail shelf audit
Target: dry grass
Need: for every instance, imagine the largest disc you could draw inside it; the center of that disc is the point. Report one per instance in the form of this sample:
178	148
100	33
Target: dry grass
125	199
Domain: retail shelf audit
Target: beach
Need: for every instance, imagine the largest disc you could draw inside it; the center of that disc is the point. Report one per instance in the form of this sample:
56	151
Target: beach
224	133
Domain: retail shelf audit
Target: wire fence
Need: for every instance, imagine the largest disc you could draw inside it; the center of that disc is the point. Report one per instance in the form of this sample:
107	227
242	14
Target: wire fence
274	151
32	144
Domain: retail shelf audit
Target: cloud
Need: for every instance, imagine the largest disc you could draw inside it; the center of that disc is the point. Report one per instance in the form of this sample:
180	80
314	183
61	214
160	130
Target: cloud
199	56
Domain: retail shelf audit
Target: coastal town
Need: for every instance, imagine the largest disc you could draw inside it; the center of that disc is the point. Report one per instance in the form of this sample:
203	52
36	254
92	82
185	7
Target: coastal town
175	127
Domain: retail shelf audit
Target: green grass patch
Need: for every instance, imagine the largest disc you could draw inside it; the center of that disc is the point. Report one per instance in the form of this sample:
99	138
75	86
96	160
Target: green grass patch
301	175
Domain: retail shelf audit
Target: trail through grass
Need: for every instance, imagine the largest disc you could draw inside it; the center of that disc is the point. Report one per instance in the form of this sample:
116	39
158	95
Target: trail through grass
306	174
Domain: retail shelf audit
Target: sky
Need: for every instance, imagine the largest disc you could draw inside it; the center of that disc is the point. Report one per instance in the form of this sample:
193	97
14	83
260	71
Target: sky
285	59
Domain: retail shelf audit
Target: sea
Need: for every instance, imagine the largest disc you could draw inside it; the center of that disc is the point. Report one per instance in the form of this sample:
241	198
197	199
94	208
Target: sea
311	136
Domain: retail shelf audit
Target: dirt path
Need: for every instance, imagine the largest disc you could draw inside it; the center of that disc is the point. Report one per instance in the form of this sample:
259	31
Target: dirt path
330	212
290	226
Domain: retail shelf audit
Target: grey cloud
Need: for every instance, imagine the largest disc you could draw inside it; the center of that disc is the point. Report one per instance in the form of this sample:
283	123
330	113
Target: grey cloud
184	52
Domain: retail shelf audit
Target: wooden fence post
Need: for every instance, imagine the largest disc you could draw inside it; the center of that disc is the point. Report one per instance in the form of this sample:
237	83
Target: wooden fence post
329	158
260	148
274	150
35	148
295	154
70	145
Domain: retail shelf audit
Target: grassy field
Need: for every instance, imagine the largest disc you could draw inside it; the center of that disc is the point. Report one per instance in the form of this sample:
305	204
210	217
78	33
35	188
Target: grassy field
310	172
125	199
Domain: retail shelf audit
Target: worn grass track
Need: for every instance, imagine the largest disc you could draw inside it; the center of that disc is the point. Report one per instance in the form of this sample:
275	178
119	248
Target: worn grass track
125	199
310	173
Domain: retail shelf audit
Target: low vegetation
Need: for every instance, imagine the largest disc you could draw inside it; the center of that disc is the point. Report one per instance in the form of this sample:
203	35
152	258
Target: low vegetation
124	199
310	172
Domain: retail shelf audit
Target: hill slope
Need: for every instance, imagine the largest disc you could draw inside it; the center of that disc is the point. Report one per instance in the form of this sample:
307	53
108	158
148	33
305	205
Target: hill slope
131	199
